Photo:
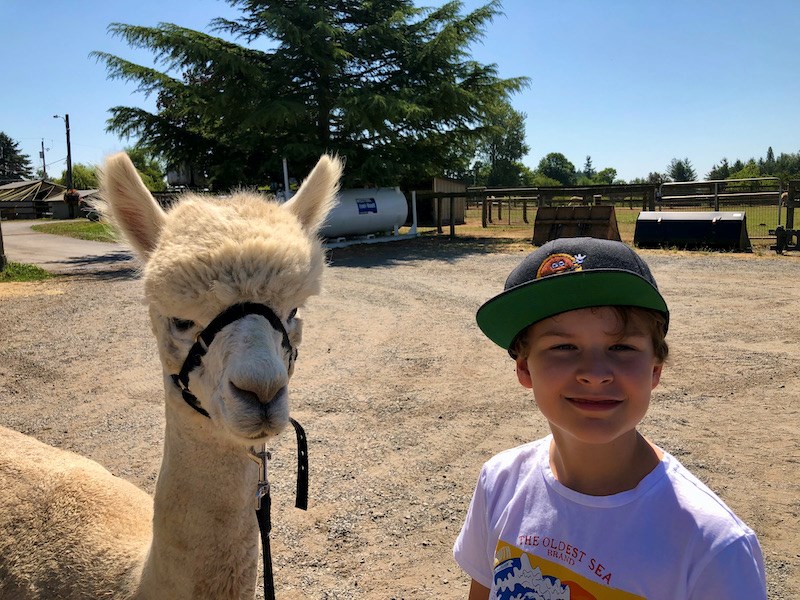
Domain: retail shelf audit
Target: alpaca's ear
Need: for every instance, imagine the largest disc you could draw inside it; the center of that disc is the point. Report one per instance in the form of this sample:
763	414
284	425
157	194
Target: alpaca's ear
317	195
129	206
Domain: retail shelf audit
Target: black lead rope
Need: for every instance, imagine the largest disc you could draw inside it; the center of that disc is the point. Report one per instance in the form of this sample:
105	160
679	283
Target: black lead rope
301	502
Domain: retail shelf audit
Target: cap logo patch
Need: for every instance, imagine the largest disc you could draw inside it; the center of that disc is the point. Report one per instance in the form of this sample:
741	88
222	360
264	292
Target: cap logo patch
560	263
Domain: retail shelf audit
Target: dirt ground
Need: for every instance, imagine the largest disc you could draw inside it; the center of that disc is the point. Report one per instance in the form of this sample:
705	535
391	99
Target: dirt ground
403	399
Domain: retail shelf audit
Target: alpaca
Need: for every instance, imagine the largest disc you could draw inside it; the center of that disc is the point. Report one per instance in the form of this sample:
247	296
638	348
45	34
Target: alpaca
71	530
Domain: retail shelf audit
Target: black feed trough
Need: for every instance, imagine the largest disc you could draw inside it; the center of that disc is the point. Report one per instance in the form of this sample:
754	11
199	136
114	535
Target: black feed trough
692	230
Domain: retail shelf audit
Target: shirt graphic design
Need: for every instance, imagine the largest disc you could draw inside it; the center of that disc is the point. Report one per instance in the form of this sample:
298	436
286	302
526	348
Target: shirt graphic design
522	576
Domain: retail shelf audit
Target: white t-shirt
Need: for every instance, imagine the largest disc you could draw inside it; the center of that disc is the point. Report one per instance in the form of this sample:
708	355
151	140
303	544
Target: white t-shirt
527	536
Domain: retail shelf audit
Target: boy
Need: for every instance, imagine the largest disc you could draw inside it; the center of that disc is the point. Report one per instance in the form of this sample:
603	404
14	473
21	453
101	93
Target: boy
595	511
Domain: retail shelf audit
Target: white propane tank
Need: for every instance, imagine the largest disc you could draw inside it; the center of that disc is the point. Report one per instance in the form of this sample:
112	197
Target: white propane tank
365	211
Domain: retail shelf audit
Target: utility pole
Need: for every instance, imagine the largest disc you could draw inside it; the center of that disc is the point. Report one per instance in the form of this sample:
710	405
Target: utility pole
44	163
69	151
71	197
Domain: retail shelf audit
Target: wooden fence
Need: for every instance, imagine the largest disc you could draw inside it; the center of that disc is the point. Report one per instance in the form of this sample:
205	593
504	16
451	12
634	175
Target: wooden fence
758	198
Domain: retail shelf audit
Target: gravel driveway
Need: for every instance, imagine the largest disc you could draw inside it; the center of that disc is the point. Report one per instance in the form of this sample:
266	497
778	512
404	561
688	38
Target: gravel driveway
59	254
403	399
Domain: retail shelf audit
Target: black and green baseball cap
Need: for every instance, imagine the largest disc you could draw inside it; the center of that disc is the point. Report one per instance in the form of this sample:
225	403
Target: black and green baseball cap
568	274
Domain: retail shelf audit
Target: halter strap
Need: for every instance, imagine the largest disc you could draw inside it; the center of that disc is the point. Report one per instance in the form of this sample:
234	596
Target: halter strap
205	337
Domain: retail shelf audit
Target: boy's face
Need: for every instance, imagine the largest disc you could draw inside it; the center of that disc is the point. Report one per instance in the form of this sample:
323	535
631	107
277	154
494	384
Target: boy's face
591	381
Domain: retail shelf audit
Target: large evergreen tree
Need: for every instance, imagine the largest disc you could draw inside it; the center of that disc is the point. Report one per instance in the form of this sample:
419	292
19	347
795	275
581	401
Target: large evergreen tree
387	85
14	165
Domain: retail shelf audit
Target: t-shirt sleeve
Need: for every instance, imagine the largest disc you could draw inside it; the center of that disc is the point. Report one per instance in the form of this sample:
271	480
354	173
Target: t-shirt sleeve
734	573
471	547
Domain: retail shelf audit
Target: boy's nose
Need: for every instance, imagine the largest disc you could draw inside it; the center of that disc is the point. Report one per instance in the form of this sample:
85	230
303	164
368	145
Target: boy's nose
593	369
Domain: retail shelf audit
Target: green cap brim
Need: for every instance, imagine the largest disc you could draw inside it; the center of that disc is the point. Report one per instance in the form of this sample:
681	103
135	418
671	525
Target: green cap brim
504	316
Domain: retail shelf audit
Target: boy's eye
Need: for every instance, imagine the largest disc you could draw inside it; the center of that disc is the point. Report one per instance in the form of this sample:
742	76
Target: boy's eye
563	347
622	347
182	324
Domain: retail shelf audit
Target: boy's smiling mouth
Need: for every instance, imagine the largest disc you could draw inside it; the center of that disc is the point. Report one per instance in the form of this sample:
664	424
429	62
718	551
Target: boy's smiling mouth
597	404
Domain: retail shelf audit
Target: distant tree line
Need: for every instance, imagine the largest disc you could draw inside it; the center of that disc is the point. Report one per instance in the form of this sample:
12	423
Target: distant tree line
556	169
785	166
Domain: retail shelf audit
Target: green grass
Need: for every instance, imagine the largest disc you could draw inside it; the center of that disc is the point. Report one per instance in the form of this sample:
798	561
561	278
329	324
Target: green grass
21	272
80	229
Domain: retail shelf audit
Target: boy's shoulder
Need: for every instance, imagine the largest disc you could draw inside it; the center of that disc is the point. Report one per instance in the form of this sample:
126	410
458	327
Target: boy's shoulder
516	464
697	502
520	454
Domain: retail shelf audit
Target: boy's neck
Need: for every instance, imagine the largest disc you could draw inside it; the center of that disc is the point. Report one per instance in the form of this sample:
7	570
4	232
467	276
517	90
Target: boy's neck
602	469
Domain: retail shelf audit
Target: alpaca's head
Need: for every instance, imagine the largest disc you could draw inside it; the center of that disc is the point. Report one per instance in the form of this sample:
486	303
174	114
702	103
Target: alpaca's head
207	254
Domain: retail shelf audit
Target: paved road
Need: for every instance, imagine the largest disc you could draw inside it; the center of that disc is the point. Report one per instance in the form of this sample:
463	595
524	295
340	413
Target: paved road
62	255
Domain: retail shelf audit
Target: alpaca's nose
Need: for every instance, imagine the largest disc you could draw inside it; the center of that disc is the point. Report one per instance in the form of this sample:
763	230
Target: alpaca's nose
255	369
256	390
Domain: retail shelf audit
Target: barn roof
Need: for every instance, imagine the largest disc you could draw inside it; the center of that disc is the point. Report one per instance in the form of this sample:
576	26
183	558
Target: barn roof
37	189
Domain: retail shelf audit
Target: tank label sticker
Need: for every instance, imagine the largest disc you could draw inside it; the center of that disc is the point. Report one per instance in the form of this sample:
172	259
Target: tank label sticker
367	205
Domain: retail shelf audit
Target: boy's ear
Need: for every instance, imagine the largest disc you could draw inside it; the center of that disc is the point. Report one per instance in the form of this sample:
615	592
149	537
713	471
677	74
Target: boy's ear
657	374
524	373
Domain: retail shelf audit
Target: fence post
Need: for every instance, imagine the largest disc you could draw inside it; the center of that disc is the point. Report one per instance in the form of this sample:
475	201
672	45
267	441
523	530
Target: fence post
791	202
716	196
413	230
2	252
452	217
483	213
439	214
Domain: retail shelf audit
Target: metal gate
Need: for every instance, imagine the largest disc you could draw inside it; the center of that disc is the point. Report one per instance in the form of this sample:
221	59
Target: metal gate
758	197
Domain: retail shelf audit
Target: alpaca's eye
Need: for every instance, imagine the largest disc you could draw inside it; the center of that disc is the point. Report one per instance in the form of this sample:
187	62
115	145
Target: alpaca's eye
292	314
181	324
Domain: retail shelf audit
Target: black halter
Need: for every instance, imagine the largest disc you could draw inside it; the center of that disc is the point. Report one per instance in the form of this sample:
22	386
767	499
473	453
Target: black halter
194	359
205	337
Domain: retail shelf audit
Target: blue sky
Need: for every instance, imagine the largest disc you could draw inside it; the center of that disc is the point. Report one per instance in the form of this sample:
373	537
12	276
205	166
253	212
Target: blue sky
632	83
